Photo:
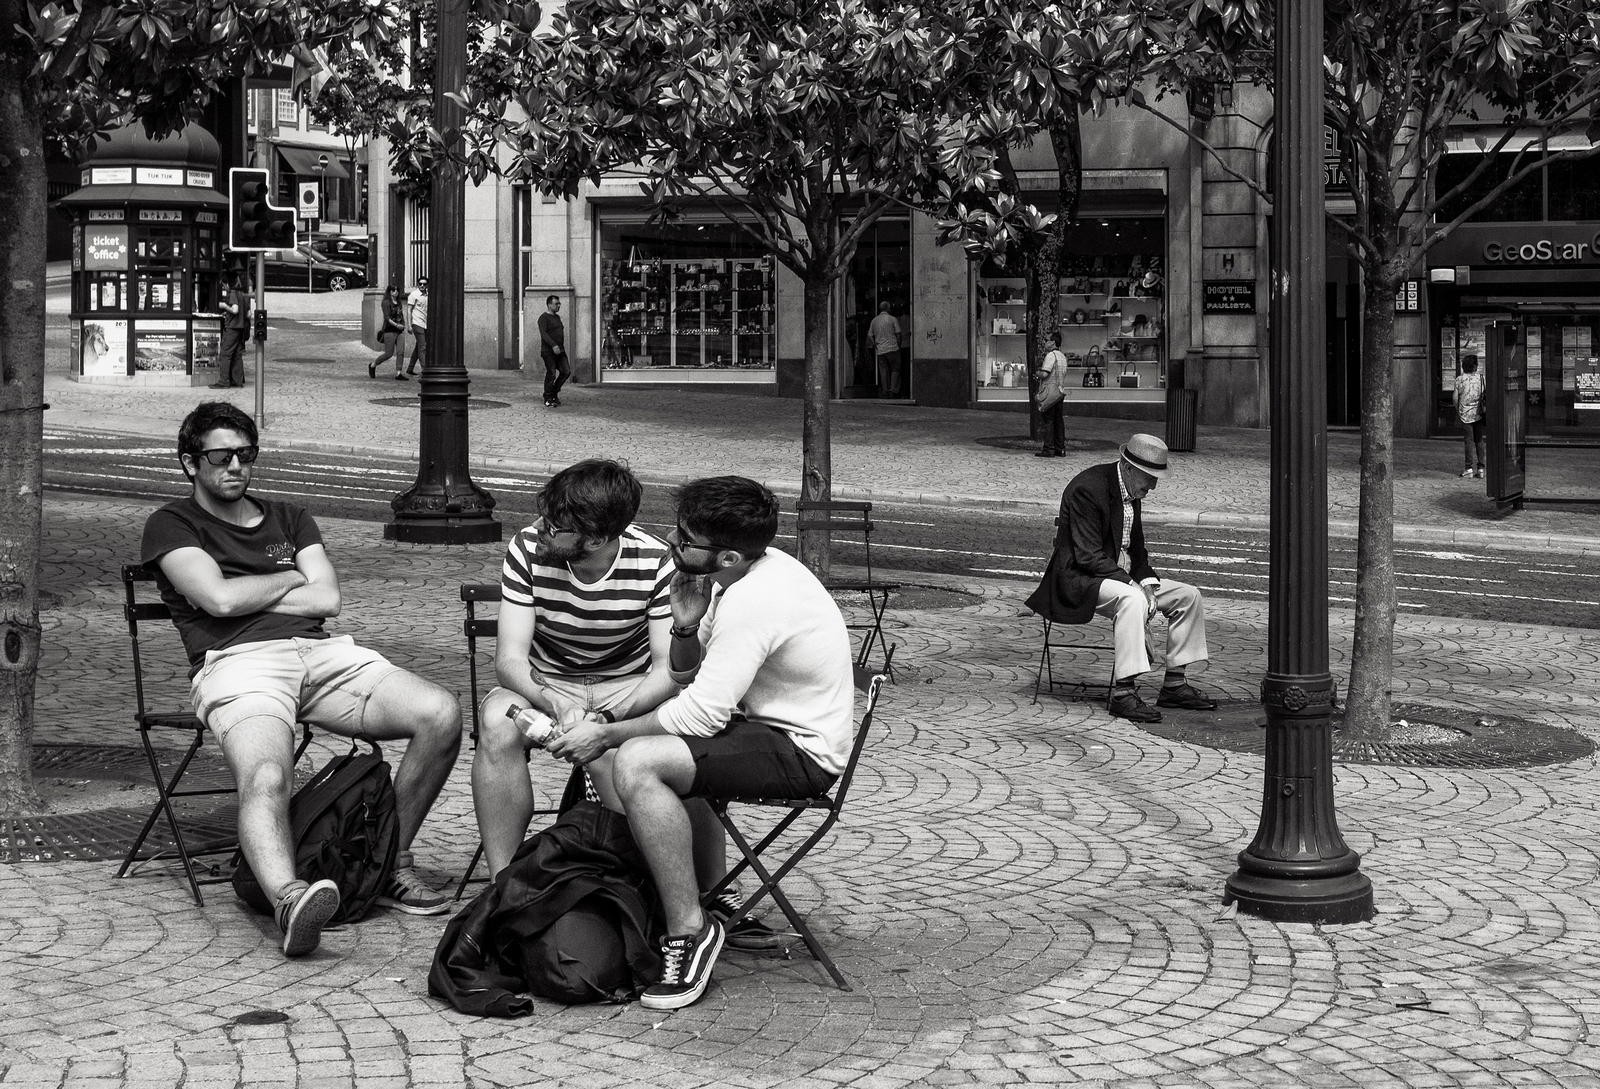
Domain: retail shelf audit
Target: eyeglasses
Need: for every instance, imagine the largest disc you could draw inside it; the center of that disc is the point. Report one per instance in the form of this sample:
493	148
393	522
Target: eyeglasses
224	454
682	544
549	529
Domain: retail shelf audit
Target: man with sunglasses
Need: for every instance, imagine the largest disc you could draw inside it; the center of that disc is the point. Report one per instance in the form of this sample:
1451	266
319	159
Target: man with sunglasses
250	585
763	650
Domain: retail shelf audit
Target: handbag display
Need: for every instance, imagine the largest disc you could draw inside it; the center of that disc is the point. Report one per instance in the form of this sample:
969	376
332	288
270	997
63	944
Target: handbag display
1129	378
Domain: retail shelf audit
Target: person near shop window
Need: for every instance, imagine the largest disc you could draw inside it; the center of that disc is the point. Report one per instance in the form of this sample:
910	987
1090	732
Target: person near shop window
1469	407
417	304
553	351
1051	401
884	332
235	328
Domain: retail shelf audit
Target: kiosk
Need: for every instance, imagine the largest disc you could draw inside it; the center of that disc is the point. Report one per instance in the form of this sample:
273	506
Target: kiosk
148	229
1506	406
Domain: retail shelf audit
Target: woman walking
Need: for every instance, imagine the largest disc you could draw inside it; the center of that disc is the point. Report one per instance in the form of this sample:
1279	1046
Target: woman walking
394	325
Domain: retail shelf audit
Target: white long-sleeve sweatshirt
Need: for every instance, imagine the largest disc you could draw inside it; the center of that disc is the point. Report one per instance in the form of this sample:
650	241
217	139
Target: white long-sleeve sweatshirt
773	647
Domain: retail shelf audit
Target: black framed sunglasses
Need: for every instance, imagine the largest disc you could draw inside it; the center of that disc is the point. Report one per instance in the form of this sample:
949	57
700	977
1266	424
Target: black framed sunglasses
224	454
710	546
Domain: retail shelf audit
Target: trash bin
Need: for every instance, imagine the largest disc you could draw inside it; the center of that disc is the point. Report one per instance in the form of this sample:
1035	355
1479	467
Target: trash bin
1182	407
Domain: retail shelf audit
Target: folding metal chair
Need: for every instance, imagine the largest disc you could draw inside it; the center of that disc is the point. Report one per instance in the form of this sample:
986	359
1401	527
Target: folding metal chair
476	627
852	517
831	804
167	786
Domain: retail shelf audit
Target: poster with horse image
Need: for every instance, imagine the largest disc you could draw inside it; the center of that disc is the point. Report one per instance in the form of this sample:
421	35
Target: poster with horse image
105	348
161	346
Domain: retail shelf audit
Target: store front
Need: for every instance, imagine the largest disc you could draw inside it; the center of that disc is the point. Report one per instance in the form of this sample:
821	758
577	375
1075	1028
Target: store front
1114	318
1544	278
693	301
879	274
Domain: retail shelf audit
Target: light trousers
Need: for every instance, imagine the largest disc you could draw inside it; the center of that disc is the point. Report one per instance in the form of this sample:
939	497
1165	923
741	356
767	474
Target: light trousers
1179	602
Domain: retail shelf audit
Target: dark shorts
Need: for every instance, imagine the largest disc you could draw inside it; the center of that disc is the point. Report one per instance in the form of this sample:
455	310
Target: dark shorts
753	760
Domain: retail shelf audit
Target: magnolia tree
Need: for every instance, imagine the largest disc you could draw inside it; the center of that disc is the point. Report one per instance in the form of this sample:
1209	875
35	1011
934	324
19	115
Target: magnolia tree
802	122
1401	75
69	70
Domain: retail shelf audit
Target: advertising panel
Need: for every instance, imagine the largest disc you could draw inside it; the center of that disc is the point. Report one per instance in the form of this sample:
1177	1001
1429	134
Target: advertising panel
105	347
105	247
161	346
206	341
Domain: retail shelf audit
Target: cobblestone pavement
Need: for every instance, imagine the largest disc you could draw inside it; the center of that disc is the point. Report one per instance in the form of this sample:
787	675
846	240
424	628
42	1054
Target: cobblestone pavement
1019	893
318	392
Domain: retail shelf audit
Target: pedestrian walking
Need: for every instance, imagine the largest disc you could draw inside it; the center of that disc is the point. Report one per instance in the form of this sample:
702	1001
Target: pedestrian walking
1469	407
553	351
417	304
394	327
1050	400
235	328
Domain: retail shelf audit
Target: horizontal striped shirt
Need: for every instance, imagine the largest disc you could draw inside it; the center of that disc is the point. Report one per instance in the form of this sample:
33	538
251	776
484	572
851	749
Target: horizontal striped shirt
597	629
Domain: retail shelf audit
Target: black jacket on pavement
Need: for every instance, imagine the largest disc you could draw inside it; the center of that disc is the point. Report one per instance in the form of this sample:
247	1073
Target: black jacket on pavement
549	923
1088	538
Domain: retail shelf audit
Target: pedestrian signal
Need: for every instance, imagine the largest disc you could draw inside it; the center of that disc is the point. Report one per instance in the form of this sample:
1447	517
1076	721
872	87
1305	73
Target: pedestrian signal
254	222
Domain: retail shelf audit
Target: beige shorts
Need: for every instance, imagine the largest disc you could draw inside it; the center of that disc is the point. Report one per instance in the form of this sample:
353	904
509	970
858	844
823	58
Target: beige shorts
589	693
325	682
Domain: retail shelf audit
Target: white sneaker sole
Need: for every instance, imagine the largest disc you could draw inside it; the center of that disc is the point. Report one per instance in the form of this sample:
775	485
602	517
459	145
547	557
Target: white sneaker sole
303	931
440	908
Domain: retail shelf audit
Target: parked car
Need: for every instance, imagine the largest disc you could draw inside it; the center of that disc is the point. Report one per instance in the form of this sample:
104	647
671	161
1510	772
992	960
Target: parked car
286	269
344	248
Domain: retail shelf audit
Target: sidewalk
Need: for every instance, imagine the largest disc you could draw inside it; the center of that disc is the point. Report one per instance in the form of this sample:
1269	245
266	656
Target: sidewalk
319	397
1019	893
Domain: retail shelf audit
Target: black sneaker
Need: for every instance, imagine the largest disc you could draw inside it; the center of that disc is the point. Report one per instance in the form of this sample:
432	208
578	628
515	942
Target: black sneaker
687	967
301	917
749	933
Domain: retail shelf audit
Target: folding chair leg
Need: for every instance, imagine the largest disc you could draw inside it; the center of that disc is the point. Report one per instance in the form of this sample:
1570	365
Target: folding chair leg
769	884
472	867
1044	664
164	789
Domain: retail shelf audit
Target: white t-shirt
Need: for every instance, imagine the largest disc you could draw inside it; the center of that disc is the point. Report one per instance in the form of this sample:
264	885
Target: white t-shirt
418	301
1052	359
774	647
885	333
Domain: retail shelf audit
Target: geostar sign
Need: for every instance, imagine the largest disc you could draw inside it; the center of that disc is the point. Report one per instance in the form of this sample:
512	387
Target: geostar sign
1519	245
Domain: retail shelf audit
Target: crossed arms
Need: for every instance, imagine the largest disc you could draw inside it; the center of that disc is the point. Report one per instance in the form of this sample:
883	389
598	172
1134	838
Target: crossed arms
310	588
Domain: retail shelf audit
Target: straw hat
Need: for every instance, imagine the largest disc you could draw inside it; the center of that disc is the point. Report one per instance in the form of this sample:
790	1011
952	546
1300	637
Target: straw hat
1146	453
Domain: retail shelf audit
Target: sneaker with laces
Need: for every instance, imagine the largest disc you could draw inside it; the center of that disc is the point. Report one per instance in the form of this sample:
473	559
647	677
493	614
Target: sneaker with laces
409	893
749	932
1466	472
302	913
686	967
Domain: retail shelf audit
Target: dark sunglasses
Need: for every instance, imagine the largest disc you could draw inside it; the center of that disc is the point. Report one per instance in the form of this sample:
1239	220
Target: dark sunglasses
222	455
710	546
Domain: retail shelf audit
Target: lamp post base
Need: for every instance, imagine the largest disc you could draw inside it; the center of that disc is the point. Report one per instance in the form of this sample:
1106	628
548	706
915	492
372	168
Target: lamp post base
1283	897
448	531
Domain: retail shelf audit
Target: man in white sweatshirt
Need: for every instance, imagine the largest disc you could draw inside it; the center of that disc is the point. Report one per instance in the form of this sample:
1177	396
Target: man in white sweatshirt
767	711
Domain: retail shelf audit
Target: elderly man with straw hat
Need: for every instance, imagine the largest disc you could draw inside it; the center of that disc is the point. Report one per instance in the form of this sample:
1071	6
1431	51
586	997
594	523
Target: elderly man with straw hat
1100	566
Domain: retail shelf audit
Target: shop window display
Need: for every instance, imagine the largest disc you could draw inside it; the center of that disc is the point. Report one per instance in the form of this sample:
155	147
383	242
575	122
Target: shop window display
685	300
1112	314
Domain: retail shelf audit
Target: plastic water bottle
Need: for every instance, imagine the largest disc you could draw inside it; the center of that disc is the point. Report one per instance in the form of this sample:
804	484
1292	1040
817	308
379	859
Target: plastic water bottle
535	725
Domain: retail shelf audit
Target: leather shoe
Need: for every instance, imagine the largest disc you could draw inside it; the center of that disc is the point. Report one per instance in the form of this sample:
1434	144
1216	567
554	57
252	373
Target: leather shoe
1187	697
1129	706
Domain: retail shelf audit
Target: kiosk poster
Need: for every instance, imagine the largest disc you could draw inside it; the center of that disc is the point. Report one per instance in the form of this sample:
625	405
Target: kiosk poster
105	247
1447	353
1587	395
105	348
1575	345
1535	337
206	345
161	346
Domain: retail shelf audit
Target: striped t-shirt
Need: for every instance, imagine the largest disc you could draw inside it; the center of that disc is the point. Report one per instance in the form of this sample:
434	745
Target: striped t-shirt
597	629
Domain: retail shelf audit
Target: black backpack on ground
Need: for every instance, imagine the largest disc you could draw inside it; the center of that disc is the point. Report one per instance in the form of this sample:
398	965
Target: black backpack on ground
344	828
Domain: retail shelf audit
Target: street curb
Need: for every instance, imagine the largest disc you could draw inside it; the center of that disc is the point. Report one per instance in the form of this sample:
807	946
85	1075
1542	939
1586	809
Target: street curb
1507	540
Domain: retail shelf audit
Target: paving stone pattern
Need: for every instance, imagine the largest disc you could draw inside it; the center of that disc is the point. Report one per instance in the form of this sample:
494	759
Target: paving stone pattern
1019	893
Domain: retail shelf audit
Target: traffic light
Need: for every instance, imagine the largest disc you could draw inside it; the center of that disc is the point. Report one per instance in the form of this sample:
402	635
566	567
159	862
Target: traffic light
254	222
261	326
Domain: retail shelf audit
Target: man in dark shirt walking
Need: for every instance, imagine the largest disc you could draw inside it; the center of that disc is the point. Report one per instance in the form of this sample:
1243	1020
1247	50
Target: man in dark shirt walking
553	351
235	328
249	585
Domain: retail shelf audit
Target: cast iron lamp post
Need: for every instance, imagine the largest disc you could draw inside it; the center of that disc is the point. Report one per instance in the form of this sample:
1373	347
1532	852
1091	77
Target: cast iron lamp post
1298	868
444	506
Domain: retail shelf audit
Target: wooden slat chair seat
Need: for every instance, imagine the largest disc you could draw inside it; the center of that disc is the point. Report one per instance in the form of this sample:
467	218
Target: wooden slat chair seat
476	627
168	787
830	804
851	517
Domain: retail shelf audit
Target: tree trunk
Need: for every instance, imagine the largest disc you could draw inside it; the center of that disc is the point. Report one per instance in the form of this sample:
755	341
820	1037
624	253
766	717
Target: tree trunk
817	464
22	272
1367	713
1044	269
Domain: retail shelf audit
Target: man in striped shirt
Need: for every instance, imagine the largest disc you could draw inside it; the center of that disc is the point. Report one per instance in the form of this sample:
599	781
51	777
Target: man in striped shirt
585	627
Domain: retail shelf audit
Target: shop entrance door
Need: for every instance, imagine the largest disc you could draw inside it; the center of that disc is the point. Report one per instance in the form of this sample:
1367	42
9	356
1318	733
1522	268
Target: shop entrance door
880	273
1344	355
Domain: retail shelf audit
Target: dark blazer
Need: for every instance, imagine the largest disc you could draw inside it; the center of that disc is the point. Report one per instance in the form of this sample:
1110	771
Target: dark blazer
1088	536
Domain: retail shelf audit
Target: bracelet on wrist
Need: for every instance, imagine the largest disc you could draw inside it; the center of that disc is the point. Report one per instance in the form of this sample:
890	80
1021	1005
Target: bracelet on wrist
688	631
608	716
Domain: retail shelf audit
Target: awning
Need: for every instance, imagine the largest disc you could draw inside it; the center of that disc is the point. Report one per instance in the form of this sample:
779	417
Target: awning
144	194
302	161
